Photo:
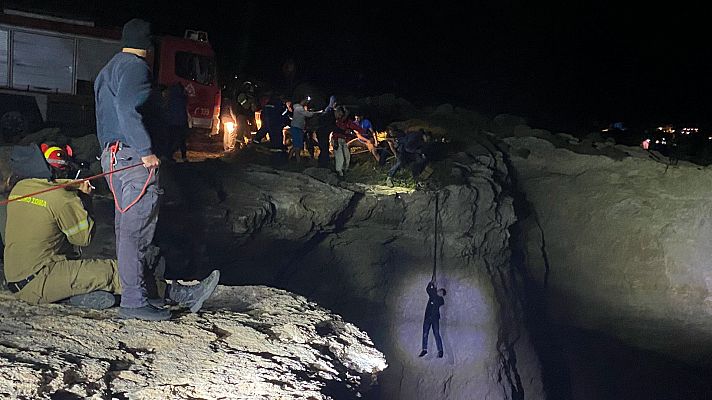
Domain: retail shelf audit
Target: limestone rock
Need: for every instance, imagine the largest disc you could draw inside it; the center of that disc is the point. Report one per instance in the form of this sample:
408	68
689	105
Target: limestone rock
368	255
504	125
621	247
323	174
249	343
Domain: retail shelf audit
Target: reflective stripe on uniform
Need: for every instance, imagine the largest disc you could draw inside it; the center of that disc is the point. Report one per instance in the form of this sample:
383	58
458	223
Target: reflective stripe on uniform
49	151
82	226
30	200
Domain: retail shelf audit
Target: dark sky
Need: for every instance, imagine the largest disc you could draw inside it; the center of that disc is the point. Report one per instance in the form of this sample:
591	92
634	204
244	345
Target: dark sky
565	62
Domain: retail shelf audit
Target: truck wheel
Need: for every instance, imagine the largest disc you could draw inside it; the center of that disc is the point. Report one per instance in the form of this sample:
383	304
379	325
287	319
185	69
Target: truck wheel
13	124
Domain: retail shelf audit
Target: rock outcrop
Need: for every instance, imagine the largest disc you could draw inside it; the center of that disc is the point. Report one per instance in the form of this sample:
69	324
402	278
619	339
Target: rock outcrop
368	254
620	245
249	343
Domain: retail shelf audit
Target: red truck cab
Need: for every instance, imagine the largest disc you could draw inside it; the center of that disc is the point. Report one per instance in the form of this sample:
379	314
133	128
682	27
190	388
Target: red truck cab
191	61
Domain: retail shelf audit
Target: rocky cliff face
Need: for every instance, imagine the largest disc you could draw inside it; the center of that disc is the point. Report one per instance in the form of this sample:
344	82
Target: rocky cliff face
250	343
622	246
367	253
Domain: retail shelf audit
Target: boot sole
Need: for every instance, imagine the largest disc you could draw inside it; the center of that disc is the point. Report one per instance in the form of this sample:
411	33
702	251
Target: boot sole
157	316
99	300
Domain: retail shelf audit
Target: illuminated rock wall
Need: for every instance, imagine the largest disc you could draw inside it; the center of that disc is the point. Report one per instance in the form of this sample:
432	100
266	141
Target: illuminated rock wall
620	245
367	253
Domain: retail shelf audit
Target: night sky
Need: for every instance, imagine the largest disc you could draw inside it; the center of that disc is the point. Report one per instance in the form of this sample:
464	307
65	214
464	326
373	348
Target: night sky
571	64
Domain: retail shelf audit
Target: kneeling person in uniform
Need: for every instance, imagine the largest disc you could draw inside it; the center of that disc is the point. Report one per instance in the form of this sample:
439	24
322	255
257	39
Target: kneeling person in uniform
45	231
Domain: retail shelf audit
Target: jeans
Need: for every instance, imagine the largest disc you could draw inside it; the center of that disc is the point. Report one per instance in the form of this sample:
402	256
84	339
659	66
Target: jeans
322	138
435	323
134	229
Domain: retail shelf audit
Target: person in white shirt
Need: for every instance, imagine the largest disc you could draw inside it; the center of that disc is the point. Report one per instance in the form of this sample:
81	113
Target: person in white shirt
297	126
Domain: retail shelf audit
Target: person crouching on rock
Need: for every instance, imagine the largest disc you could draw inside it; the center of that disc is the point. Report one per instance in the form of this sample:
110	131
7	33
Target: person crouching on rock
432	317
45	232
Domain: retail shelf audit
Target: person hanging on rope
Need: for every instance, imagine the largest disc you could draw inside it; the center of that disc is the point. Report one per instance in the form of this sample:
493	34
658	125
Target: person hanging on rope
436	298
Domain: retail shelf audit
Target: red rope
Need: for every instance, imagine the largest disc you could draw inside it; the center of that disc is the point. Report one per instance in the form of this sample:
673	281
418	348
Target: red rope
91	178
114	148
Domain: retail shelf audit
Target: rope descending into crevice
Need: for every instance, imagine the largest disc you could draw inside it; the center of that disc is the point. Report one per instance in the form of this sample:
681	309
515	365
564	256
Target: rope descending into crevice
435	239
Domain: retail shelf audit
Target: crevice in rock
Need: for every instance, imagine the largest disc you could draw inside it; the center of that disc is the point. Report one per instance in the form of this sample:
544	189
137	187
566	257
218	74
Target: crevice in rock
136	352
508	357
44	385
555	375
65	395
283	276
544	255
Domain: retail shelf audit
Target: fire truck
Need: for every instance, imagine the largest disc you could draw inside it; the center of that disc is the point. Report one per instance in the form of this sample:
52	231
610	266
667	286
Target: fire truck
48	66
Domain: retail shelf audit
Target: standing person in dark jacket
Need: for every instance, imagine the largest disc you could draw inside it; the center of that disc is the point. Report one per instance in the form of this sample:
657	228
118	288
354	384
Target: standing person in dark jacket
326	124
177	120
121	90
432	317
274	118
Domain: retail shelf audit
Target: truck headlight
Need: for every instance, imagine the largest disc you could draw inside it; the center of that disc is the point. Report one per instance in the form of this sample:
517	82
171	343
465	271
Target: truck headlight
230	127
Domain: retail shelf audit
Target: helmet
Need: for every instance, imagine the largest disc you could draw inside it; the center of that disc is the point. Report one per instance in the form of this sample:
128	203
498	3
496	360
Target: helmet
57	157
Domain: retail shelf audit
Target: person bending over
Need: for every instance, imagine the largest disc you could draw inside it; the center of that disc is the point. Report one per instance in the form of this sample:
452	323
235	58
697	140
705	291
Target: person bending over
45	233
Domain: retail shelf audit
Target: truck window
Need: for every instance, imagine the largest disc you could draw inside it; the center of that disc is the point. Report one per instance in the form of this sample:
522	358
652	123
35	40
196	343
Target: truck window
3	57
195	67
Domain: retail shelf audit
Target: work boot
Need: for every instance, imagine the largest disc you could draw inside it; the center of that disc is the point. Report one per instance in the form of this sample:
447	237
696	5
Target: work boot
97	300
422	353
193	296
146	313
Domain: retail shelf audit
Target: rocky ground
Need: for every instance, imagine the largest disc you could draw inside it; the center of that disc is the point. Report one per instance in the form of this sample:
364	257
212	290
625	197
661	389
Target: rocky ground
365	251
249	342
575	267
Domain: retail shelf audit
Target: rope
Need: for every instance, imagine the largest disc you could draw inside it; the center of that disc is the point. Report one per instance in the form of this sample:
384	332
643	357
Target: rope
435	240
114	148
64	185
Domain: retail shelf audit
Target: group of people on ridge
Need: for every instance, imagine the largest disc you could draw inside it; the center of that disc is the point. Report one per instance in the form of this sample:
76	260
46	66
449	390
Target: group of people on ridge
335	129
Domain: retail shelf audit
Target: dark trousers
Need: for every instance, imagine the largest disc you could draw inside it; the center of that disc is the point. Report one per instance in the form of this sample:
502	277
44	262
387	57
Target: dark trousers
276	137
435	323
134	229
323	143
181	134
261	133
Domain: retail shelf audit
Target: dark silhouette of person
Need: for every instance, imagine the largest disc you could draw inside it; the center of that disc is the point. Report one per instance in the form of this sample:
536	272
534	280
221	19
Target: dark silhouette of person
432	317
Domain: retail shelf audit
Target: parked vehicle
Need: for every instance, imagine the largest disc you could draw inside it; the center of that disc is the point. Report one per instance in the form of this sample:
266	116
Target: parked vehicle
48	66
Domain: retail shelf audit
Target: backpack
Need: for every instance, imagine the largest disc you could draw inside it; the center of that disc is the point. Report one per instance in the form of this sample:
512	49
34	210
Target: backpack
28	162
